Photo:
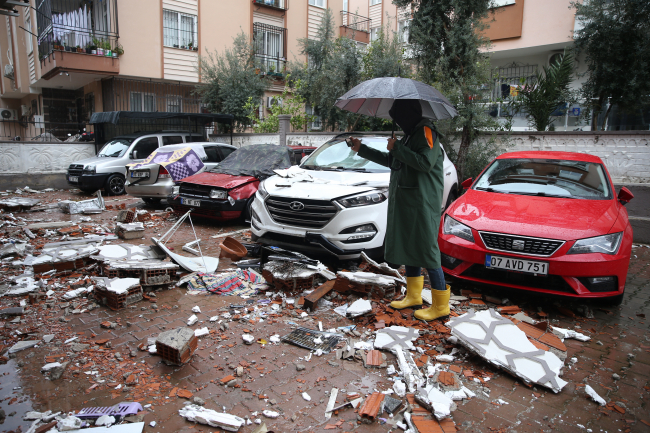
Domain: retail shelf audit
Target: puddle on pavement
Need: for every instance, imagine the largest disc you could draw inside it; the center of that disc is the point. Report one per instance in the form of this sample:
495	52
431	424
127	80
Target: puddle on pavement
13	400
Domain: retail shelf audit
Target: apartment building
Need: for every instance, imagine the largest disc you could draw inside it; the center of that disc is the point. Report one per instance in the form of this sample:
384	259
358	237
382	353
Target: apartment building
63	60
527	35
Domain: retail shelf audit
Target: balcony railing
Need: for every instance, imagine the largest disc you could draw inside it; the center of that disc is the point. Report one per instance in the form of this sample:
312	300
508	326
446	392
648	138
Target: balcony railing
282	5
355	22
270	48
70	25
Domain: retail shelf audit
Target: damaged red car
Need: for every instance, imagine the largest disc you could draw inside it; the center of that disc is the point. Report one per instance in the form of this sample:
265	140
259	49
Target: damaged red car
227	191
546	222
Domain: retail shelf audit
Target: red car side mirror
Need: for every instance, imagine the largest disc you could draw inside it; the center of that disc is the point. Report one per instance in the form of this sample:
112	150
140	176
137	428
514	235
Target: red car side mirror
624	196
467	183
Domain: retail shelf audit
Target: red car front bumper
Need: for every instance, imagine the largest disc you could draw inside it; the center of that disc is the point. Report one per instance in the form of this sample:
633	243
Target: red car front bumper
568	275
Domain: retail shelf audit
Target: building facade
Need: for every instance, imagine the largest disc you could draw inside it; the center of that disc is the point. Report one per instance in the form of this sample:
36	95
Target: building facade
63	60
525	36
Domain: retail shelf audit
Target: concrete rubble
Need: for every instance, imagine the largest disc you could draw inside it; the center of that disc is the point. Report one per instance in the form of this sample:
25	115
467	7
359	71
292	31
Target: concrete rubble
272	342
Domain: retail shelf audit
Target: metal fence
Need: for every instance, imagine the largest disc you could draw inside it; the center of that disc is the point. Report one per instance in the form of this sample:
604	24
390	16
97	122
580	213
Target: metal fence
355	22
90	26
18	130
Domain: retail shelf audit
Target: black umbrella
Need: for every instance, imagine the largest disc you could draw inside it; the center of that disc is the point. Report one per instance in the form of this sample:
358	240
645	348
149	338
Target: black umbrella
375	98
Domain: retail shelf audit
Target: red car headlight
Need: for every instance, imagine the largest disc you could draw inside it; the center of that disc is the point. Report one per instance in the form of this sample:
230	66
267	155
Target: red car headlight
453	227
606	244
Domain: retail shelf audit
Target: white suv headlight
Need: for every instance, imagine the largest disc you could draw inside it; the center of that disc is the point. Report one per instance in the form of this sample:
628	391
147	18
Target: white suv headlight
218	194
262	191
606	244
453	227
364	199
89	169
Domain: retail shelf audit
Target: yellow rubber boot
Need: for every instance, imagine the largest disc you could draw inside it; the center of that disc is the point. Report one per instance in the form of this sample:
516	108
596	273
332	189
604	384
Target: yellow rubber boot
413	297
439	306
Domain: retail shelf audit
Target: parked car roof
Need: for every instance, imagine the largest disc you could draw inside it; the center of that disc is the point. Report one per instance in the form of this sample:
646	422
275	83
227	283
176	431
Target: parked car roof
571	156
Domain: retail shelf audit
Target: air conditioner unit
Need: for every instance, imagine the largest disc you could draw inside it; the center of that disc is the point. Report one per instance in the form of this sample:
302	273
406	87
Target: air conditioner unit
24	110
9	71
8	114
273	100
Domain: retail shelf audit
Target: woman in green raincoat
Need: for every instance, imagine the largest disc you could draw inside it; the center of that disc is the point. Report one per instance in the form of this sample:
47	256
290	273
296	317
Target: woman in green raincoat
414	204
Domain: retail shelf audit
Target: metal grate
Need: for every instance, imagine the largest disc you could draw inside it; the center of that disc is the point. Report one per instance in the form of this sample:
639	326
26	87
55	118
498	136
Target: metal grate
195	190
355	22
275	4
521	244
313	213
270	47
304	337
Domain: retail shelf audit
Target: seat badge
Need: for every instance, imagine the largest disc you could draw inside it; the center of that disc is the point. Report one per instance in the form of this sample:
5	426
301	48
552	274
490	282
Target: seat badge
518	245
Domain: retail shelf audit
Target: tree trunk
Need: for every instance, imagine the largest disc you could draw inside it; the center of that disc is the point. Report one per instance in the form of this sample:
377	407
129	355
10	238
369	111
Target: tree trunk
606	115
465	141
594	117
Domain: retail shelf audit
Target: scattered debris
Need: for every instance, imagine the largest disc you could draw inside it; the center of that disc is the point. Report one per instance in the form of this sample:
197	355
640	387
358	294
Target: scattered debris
212	418
176	346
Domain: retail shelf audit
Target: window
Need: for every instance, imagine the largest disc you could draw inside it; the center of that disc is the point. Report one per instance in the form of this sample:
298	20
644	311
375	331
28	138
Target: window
403	31
28	34
143	101
317	123
174	104
375	2
179	30
225	151
319	3
145	147
345	5
212	154
374	33
172	139
269	46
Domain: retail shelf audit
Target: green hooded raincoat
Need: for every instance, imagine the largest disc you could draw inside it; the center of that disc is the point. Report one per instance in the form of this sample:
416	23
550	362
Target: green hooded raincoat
414	197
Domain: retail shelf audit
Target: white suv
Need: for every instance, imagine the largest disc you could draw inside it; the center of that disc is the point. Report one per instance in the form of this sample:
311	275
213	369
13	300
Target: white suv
335	202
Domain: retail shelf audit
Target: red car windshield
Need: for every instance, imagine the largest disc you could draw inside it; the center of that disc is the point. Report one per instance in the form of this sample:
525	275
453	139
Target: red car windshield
546	178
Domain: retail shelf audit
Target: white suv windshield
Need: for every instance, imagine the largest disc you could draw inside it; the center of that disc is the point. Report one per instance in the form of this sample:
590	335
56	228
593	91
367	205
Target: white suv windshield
336	155
115	148
547	178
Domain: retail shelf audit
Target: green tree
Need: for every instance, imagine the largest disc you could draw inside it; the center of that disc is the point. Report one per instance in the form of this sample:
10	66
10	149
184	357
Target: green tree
231	80
615	39
334	66
293	105
446	41
546	93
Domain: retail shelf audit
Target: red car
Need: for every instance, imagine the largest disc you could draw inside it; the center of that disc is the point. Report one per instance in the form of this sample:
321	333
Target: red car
546	222
227	191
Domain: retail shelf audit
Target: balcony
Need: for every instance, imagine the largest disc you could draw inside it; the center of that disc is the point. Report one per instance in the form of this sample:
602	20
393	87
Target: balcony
278	5
356	27
76	36
270	49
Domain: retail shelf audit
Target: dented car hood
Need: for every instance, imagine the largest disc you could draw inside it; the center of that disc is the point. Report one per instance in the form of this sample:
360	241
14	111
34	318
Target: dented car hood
296	182
220	180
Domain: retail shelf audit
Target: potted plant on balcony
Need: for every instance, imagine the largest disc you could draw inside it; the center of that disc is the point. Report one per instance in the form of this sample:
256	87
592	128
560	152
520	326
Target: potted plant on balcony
57	45
67	47
107	48
189	46
100	47
94	45
119	50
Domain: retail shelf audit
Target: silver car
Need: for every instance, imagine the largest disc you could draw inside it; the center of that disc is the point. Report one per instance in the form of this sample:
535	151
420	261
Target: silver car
152	182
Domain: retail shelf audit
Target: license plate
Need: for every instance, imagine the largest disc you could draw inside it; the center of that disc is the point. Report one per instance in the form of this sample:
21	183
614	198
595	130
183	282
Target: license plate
516	265
73	178
139	174
190	202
